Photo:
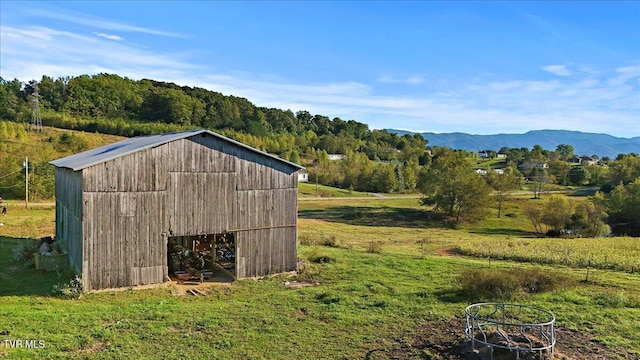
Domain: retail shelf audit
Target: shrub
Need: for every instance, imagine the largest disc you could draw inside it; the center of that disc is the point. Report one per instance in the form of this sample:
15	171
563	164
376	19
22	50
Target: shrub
23	253
307	238
330	240
552	233
537	280
68	290
315	257
307	272
318	239
375	247
483	284
487	284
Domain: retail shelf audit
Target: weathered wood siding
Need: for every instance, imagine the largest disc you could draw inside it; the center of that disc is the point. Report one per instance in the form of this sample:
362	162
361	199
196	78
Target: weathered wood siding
265	251
201	203
266	241
123	238
145	170
69	215
194	186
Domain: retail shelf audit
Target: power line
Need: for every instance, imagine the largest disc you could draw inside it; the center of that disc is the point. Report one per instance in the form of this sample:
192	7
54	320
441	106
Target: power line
8	187
11	173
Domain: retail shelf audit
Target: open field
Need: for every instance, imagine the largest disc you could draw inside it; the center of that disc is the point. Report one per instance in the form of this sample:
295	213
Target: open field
308	190
35	222
385	278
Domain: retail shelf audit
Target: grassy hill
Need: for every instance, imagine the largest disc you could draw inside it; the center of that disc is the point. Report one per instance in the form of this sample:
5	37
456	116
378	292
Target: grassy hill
18	142
308	190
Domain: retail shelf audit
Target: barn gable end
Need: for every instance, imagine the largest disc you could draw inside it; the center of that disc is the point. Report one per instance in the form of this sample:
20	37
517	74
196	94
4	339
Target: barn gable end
116	206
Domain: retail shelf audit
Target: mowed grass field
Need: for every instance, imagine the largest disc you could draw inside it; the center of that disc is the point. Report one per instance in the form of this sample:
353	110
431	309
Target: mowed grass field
379	270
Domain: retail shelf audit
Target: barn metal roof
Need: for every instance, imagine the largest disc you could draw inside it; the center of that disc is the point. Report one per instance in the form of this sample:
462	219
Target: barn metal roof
128	146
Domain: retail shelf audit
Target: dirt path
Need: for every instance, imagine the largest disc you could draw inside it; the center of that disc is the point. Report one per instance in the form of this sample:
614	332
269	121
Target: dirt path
445	251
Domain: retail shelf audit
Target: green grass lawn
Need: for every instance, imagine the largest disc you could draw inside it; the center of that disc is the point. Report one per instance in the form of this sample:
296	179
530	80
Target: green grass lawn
362	300
34	222
308	190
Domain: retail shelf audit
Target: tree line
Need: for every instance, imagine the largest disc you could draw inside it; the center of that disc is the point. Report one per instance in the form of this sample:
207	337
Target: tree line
452	186
375	160
117	105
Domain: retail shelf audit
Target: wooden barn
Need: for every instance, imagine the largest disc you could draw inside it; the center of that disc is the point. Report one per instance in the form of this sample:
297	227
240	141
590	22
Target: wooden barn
137	211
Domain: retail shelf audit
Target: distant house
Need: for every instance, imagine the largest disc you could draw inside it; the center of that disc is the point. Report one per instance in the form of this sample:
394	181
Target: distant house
303	176
483	154
588	160
484	172
575	160
333	157
532	164
502	155
583	160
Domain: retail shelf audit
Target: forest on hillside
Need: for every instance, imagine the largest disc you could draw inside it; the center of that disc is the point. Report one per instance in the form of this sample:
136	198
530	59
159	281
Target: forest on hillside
375	160
117	105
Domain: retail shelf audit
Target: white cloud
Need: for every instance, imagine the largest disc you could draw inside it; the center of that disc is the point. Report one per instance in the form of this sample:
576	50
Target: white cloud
108	36
411	80
96	22
559	70
28	51
624	74
486	104
506	85
415	80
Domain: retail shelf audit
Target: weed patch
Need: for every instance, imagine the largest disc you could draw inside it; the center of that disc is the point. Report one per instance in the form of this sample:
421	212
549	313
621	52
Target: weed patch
68	290
318	239
316	257
375	247
23	252
488	284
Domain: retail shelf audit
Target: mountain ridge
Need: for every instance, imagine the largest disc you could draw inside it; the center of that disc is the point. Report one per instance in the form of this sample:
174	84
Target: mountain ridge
584	143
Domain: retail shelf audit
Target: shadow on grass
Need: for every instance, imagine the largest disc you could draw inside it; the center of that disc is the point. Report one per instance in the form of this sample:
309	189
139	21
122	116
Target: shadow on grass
584	192
376	216
451	296
504	231
20	278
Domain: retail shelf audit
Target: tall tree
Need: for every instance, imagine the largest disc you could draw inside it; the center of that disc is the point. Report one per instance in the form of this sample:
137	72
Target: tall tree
565	151
588	219
557	212
624	169
384	178
539	179
579	175
534	213
623	207
452	186
560	171
504	184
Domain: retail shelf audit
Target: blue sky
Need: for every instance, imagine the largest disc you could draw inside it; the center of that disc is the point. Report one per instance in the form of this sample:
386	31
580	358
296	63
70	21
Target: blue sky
475	67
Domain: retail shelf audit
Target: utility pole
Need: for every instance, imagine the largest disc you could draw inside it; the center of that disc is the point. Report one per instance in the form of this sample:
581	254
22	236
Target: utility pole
26	182
315	162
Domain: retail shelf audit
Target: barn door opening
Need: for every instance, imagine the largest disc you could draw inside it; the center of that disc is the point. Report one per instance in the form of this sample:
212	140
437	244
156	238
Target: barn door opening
201	258
225	255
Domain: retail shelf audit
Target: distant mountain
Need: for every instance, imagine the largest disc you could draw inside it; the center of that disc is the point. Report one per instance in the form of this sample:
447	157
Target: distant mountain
583	143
